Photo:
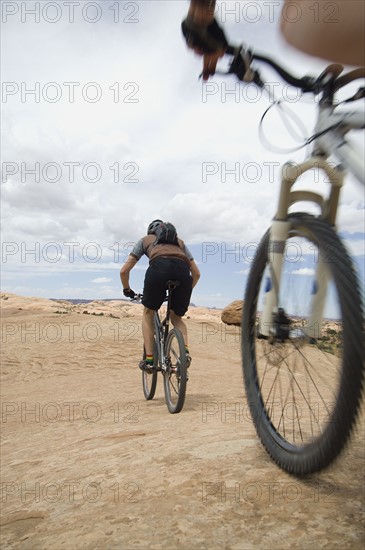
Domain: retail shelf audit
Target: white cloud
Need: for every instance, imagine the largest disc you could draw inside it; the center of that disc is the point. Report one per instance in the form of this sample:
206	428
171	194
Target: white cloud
307	271
101	280
157	143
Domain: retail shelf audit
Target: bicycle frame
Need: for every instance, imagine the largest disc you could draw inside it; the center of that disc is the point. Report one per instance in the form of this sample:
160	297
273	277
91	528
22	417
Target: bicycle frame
162	328
328	143
290	374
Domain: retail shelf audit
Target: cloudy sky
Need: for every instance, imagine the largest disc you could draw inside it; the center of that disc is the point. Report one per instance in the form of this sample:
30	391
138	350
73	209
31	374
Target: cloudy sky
106	126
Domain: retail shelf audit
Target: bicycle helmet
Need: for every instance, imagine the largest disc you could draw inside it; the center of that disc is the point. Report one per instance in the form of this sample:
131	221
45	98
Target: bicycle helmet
151	230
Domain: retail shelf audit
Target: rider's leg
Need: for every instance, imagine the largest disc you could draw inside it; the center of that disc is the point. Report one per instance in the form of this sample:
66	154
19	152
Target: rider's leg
147	330
179	324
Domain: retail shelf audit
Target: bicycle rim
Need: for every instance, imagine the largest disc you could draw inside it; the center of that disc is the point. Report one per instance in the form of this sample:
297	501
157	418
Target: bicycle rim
149	379
304	391
175	375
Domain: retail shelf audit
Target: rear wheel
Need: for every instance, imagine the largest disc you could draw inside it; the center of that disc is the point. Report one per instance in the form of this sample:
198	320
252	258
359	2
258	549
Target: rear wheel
149	378
304	384
175	376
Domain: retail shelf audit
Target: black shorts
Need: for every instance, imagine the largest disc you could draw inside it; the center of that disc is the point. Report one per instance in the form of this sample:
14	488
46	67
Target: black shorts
158	273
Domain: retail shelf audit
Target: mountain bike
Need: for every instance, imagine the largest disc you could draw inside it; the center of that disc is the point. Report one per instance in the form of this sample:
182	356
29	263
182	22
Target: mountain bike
302	323
170	358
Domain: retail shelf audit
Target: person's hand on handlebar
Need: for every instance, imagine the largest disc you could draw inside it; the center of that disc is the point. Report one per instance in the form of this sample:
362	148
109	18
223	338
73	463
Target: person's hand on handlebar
342	41
204	36
129	293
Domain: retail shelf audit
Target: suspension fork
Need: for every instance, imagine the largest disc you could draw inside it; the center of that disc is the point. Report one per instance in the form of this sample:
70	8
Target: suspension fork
279	232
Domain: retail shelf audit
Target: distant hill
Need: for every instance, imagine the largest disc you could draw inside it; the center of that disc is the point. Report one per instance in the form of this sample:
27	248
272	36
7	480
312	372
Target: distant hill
84	301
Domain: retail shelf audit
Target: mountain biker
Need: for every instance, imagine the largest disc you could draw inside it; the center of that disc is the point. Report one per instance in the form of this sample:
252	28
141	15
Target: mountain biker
168	261
282	324
336	35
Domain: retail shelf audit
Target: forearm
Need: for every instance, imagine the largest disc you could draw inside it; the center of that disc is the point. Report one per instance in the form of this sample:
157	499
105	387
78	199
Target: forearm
126	269
124	277
201	12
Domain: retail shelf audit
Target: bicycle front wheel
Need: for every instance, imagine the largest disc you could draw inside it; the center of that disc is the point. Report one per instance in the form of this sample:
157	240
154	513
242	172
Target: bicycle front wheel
175	376
149	378
304	386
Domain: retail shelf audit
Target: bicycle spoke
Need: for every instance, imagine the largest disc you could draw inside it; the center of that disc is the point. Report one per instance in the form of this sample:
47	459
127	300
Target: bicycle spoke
175	376
294	379
149	379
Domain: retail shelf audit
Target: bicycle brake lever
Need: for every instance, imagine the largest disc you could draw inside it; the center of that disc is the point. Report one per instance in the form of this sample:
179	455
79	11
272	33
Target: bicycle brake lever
327	76
241	66
241	60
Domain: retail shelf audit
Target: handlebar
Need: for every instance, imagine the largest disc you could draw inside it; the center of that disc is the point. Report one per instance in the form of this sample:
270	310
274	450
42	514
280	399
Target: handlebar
328	82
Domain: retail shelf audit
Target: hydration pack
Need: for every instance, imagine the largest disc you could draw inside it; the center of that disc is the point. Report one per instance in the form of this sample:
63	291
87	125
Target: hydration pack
166	234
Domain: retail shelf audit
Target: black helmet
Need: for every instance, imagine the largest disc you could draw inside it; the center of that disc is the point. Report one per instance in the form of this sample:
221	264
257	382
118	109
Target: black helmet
153	226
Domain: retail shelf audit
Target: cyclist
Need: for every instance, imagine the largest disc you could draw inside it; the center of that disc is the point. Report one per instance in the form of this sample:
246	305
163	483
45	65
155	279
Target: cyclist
168	261
282	324
336	35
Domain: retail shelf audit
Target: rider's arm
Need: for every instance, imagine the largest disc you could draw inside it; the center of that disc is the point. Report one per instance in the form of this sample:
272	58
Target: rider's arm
195	273
200	19
330	30
126	269
194	270
201	12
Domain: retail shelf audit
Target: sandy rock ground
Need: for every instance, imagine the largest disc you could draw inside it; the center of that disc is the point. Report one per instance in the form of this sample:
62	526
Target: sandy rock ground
87	462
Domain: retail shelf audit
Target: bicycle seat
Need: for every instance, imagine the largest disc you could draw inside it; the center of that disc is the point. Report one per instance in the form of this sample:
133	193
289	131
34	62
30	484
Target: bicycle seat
170	285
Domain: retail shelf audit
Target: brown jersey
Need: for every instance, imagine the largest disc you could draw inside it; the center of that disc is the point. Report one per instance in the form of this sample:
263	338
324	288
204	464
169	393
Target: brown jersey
154	251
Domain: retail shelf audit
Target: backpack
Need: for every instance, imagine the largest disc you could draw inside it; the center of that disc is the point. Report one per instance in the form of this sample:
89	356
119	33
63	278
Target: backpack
166	234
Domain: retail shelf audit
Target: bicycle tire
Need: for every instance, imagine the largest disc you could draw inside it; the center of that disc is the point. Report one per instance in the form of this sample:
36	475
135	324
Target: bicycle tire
149	379
320	450
175	377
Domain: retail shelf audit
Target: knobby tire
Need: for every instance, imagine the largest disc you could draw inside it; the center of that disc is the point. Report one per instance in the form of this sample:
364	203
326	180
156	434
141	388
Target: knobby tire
265	364
175	382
